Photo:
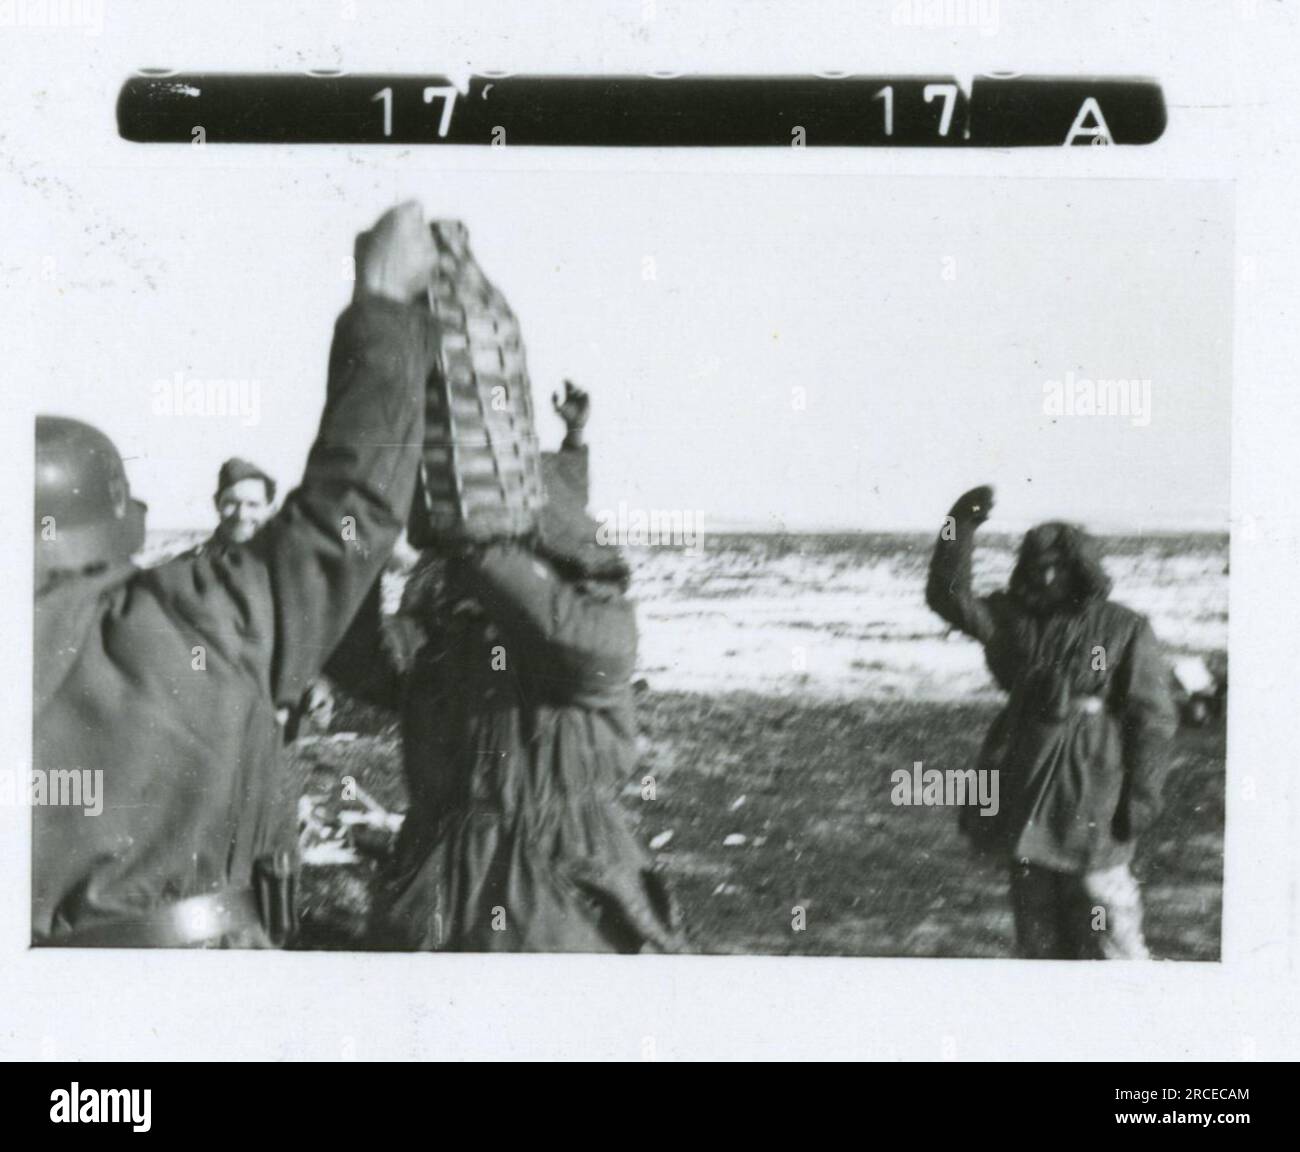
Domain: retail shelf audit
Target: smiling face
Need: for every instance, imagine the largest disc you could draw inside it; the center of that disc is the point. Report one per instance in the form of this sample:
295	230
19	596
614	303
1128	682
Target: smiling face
243	508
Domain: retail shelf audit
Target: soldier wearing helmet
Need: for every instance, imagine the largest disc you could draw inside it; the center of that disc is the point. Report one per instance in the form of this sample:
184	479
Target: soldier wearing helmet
167	680
85	515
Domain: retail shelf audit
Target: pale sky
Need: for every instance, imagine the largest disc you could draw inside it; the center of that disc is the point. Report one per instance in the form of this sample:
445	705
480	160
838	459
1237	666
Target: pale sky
923	317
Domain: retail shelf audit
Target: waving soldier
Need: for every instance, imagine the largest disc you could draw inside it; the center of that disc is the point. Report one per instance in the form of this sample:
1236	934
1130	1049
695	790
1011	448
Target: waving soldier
1081	744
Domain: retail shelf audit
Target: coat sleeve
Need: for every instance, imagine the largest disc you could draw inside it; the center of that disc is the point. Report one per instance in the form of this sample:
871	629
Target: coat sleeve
948	589
569	467
576	640
1148	723
324	551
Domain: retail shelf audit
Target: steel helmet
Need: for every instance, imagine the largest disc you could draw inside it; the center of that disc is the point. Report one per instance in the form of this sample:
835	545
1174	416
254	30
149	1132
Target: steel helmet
85	515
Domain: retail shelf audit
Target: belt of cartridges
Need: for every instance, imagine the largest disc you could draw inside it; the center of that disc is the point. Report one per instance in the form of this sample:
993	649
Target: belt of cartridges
480	471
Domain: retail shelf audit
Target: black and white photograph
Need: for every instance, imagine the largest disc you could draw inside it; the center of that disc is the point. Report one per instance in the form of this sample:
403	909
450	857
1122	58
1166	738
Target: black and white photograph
777	518
686	624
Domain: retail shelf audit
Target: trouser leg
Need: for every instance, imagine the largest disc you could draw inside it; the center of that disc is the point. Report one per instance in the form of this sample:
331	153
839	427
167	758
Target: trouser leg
1036	903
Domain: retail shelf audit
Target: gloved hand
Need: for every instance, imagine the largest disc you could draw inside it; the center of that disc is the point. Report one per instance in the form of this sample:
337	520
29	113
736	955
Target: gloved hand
973	507
397	256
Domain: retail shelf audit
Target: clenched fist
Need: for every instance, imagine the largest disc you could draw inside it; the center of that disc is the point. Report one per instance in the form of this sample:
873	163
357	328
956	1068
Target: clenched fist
397	256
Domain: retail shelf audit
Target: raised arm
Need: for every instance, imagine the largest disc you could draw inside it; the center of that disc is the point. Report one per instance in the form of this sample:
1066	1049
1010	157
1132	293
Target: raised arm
948	589
569	466
324	551
376	653
575	641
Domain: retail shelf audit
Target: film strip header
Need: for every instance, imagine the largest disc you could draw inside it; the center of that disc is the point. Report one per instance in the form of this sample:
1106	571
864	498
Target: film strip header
994	111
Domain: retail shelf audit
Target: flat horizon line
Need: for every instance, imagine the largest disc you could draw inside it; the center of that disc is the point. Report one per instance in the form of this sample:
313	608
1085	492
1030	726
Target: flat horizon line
929	530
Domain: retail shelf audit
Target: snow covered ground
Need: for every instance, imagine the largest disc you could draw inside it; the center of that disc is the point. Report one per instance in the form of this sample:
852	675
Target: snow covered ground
845	616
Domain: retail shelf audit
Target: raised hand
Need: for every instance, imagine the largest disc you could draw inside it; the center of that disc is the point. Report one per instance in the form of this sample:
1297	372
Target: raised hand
397	256
574	408
973	507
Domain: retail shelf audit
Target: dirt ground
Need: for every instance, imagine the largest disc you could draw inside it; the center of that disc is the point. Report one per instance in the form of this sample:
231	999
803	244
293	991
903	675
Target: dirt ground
807	785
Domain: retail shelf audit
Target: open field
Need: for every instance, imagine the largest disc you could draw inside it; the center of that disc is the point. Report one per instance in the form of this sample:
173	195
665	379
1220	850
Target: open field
807	784
781	680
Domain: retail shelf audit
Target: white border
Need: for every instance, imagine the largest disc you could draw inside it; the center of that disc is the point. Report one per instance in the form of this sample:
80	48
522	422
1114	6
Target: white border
1229	73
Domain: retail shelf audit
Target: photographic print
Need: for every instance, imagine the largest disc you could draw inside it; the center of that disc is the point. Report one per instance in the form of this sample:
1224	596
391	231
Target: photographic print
780	689
500	507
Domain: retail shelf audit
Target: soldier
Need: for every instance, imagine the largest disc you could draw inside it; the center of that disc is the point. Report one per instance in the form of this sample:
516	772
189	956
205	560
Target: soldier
167	679
244	499
512	665
1081	746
